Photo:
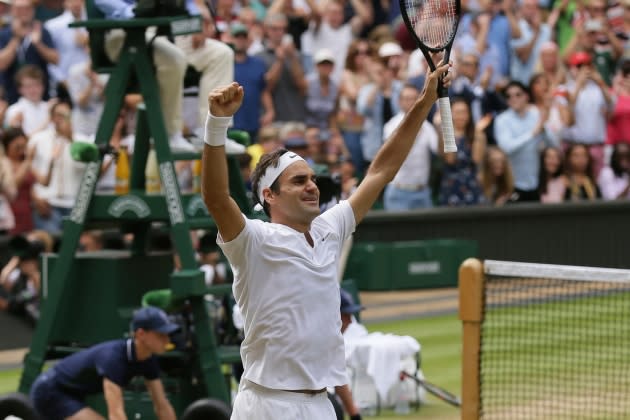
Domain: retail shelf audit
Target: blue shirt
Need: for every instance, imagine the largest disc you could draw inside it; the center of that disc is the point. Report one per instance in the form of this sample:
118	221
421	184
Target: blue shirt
514	135
26	54
251	75
123	9
82	373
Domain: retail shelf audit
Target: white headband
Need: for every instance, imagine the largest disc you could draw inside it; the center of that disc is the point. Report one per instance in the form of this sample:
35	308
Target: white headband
273	172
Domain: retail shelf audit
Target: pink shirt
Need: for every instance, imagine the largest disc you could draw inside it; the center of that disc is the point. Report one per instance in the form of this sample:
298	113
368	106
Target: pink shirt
555	191
611	185
618	128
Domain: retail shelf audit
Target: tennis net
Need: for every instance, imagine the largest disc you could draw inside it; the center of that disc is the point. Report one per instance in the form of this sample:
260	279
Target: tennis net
545	341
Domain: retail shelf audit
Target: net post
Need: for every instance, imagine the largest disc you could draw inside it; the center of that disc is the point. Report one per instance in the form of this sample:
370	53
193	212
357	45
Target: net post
471	281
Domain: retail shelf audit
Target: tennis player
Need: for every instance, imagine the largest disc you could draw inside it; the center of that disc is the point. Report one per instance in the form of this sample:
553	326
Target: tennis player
60	392
285	272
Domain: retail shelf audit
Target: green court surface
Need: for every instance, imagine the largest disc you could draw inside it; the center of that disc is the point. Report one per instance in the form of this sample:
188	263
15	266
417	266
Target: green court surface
440	338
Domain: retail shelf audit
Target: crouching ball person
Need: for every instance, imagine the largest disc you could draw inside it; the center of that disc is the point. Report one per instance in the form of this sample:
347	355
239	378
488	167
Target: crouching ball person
60	392
285	271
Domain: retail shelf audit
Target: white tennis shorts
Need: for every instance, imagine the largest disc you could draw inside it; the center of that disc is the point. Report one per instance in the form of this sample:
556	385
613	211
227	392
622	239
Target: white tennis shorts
255	402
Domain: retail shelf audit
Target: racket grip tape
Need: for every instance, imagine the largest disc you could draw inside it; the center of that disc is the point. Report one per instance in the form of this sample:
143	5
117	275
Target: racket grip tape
447	125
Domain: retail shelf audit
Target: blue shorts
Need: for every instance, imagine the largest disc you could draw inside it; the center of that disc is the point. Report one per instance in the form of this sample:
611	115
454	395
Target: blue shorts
50	400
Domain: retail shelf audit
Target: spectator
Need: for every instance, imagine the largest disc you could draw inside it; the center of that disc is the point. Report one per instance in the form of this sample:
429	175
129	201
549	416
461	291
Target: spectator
550	63
24	42
91	241
71	43
355	75
410	187
87	92
614	180
618	125
285	74
497	182
250	73
322	93
20	279
214	270
106	369
592	106
268	141
526	48
553	102
520	131
30	112
8	193
377	102
14	142
327	29
459	185
64	174
579	170
552	182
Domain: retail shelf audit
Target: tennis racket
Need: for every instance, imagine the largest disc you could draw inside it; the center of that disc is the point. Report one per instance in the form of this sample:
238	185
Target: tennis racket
433	25
442	394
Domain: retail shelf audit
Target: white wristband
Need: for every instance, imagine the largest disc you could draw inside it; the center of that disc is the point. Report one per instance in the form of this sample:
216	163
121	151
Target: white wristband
216	130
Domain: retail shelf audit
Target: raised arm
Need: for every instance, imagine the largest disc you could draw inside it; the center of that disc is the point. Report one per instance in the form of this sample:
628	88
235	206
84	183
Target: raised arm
394	152
223	102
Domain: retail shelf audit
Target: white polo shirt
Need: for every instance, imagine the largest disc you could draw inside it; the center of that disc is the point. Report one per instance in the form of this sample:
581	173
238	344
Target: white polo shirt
288	293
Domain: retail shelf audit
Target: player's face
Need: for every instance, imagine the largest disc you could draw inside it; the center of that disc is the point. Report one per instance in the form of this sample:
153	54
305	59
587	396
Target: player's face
155	342
298	200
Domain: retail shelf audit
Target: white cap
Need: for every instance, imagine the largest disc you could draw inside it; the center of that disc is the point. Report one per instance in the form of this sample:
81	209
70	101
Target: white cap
388	49
324	55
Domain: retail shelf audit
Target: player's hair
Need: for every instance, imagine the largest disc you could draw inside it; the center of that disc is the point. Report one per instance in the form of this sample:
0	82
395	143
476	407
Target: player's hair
265	161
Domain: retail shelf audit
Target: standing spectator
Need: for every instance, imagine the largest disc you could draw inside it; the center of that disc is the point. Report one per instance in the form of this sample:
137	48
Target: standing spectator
24	42
377	103
614	180
549	62
65	174
71	43
460	179
579	169
552	182
8	191
496	177
322	93
87	92
14	142
592	105
526	48
327	29
552	101
353	77
30	112
285	74
520	131
410	187
250	73
618	125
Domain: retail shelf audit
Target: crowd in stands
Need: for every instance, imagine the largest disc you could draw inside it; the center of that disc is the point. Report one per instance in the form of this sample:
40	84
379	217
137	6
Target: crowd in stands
540	98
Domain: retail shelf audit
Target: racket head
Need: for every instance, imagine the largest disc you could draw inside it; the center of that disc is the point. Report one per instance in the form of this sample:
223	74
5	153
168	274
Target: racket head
432	23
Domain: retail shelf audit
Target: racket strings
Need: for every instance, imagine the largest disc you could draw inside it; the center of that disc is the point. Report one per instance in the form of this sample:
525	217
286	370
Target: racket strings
433	21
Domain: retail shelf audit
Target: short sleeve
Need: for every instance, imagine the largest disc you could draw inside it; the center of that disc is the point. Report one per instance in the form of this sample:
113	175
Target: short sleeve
340	218
112	365
238	248
151	369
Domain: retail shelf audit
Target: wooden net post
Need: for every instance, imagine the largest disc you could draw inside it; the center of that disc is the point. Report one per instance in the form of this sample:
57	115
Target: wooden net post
471	282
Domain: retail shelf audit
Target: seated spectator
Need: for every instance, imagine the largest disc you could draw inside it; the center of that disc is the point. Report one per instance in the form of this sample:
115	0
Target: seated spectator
552	182
614	180
496	178
579	170
214	270
30	112
14	142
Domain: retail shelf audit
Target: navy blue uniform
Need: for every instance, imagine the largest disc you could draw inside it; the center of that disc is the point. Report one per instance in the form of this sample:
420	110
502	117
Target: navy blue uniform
60	392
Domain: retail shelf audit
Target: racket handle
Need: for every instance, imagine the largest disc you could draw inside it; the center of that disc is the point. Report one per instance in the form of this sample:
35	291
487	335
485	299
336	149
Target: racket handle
447	125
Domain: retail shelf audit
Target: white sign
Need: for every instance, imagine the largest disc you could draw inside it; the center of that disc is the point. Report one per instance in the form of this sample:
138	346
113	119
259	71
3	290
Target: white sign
196	205
423	267
130	203
85	192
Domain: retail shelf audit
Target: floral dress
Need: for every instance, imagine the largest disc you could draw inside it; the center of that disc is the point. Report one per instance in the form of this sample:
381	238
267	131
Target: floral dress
459	185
